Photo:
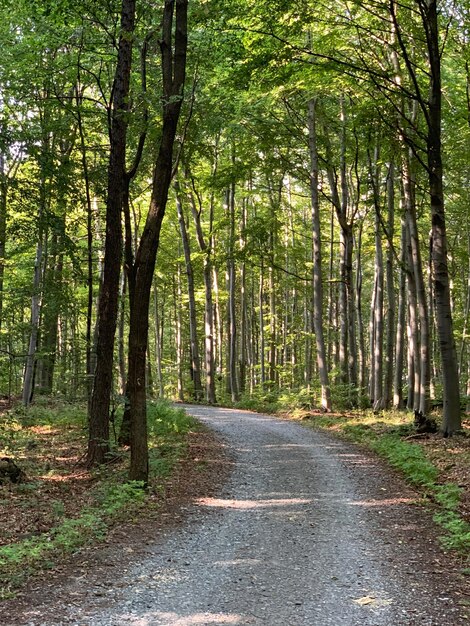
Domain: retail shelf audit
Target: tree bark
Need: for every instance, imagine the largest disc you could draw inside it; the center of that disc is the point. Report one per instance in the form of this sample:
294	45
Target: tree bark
98	440
450	374
317	263
194	344
400	333
390	289
174	69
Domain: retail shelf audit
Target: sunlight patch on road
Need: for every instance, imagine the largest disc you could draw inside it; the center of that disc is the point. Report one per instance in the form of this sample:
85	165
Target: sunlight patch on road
250	504
385	502
239	562
196	619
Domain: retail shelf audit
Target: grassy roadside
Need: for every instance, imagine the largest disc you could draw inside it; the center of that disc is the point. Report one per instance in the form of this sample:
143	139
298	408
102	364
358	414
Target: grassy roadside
60	506
439	468
422	461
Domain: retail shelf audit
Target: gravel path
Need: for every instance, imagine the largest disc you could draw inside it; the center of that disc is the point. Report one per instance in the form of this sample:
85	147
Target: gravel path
307	531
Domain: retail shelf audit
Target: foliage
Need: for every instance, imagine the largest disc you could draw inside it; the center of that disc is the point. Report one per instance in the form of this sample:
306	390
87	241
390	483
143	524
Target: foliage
111	499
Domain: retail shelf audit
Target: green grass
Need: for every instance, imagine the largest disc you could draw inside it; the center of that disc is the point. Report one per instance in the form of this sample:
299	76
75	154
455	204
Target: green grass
113	499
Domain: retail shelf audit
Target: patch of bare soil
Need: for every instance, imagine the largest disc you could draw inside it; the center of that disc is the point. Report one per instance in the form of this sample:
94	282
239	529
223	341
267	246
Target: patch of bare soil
198	475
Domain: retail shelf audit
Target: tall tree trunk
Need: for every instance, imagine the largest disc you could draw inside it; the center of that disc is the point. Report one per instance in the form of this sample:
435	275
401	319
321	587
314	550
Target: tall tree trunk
416	266
50	319
208	301
390	288
98	441
317	262
262	342
90	366
414	373
400	333
121	329
450	374
360	325
195	361
3	226
28	378
243	306
378	321
177	293
174	69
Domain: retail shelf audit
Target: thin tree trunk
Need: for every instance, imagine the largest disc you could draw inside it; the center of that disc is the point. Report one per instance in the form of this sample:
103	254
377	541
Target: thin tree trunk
400	333
416	266
121	328
390	288
377	309
360	323
208	302
89	222
317	263
195	361
177	293
232	321
261	327
414	373
28	378
50	320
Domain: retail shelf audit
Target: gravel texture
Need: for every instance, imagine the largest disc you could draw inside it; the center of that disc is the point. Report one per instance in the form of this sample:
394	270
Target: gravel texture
307	530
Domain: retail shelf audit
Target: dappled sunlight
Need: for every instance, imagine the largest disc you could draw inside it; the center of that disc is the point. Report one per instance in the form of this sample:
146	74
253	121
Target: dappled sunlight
234	562
66	478
384	502
196	619
288	446
357	459
250	504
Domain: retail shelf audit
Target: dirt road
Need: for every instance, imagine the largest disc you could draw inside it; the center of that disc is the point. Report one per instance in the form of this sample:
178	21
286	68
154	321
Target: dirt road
306	531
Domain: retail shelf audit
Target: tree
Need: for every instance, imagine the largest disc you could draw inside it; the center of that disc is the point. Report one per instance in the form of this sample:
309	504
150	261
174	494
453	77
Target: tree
98	443
173	52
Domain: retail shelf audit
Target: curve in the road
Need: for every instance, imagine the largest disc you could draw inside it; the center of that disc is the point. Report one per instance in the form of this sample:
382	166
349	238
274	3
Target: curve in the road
308	531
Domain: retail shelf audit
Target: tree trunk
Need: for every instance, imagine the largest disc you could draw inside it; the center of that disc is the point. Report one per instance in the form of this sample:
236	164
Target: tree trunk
28	378
400	334
450	374
177	293
208	303
98	442
231	284
317	263
174	68
360	325
390	288
195	361
378	321
416	266
3	226
50	320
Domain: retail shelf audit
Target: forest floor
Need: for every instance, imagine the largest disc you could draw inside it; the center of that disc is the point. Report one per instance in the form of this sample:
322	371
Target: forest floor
59	487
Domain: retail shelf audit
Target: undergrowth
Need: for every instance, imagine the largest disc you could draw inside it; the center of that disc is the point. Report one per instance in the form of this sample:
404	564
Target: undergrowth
113	498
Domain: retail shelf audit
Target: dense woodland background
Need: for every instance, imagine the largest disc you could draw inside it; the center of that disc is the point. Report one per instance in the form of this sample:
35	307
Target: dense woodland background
316	237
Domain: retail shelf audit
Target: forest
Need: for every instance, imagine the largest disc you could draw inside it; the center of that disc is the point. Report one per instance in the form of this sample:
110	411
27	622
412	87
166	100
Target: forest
234	203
